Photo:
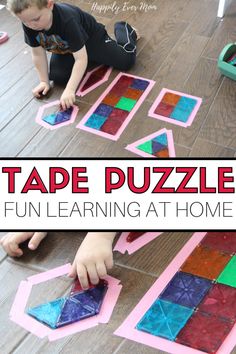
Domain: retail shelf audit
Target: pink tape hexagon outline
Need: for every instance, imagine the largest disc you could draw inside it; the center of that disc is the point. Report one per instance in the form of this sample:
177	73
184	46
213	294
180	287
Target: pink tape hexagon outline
18	315
39	116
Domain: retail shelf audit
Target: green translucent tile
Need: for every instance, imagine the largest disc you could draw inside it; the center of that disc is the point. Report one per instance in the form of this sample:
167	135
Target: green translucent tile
146	147
228	276
127	104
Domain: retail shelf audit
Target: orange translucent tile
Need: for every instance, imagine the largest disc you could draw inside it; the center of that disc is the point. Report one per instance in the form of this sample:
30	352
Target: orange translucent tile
206	263
111	100
170	98
133	93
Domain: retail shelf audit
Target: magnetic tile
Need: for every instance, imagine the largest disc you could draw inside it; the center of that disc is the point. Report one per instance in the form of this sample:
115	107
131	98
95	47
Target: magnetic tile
133	93
228	276
121	85
157	147
58	117
206	263
139	84
204	332
50	119
134	235
186	290
162	153
111	100
180	114
220	301
95	121
164	319
162	139
95	77
77	288
73	311
170	98
48	313
126	104
118	114
146	147
103	110
186	104
111	126
164	109
223	241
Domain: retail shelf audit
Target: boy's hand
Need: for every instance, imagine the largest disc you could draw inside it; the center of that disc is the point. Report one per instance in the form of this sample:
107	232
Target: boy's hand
67	99
42	89
11	241
93	258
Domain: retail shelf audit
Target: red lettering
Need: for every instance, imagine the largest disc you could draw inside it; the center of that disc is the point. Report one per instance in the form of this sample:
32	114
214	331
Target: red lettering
29	185
54	172
189	171
222	179
11	177
166	173
76	179
146	182
109	172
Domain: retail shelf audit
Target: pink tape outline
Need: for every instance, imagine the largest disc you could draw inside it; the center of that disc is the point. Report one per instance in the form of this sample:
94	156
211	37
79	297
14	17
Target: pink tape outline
91	88
18	315
4	37
133	147
127	329
151	112
39	116
82	126
122	245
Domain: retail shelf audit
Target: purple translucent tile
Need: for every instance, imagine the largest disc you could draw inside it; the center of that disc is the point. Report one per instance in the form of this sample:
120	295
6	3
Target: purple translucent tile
72	312
186	290
103	110
140	84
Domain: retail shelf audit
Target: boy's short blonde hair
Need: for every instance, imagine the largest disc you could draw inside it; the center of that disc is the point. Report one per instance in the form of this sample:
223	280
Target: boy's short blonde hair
17	6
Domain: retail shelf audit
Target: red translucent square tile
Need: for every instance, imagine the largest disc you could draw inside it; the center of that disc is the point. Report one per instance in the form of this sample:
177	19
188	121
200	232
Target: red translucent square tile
206	263
164	109
134	235
223	241
118	114
111	100
121	85
204	332
133	93
170	98
111	126
220	301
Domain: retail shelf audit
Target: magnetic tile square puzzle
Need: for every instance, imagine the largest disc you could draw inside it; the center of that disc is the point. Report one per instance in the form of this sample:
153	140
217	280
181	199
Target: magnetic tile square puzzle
93	78
78	305
175	107
109	116
197	307
157	145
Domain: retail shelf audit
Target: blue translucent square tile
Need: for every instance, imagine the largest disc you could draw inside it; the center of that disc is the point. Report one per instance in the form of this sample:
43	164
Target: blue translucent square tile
140	84
95	121
180	115
162	139
186	104
186	289
165	319
72	312
103	110
59	117
48	313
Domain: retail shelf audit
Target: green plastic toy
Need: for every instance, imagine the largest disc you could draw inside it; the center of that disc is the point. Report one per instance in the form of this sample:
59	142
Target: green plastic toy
227	61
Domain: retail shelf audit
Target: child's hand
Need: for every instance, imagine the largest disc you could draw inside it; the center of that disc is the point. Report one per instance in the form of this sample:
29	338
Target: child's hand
42	89
93	258
67	99
11	241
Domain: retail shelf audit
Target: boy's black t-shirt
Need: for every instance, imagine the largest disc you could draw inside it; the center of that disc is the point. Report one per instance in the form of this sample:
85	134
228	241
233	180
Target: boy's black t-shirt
71	29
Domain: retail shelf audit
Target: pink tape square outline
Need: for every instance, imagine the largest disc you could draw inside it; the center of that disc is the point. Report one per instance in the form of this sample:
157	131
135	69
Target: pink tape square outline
127	329
39	116
122	245
152	113
133	147
18	315
82	125
91	88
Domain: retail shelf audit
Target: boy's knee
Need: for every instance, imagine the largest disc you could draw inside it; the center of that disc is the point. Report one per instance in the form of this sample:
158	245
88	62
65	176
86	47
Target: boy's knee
126	63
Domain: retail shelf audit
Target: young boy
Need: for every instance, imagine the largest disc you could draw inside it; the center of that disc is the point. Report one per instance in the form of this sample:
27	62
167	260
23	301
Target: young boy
93	259
74	38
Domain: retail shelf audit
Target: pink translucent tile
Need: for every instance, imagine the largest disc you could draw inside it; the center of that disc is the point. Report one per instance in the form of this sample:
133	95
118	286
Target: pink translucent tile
41	111
161	110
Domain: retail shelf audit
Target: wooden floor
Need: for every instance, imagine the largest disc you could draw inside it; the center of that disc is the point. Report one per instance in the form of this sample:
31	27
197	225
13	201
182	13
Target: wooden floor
180	44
